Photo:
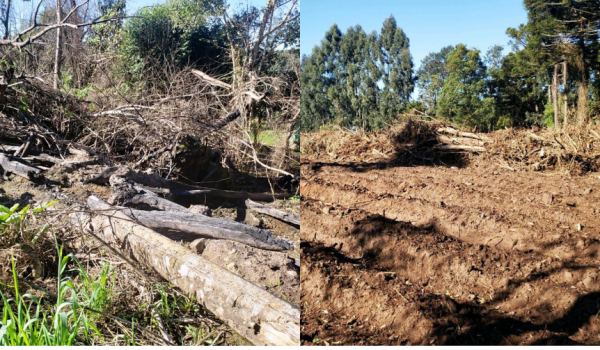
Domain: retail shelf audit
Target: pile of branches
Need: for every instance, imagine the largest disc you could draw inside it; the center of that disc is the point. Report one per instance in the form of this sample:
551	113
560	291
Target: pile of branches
409	142
574	150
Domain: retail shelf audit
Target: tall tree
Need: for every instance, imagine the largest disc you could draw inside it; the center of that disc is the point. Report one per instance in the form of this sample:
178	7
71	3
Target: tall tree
396	64
431	76
568	30
462	98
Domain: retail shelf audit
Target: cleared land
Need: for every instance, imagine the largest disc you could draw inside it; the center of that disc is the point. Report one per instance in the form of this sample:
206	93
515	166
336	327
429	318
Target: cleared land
476	249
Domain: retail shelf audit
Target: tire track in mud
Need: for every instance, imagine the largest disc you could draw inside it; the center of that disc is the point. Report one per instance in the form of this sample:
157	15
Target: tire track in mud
387	281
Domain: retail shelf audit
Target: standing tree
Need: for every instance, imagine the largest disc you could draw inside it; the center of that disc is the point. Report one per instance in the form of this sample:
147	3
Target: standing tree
462	98
567	31
431	77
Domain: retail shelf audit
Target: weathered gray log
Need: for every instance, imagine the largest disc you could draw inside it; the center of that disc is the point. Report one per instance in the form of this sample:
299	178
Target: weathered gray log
23	170
9	148
174	188
253	312
129	194
211	192
460	141
189	226
276	213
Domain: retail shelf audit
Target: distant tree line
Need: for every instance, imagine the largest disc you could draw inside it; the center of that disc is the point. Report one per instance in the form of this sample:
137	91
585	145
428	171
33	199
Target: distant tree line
550	77
357	79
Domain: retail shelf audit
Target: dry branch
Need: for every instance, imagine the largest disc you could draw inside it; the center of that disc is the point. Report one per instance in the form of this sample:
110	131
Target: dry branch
23	170
276	213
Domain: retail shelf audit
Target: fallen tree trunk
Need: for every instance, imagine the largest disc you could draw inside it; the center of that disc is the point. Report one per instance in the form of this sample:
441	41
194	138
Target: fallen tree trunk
253	312
460	141
158	185
462	134
210	192
276	213
23	170
189	226
130	195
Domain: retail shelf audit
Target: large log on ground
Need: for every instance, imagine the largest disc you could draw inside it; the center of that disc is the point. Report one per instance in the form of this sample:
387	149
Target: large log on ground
463	134
174	188
26	171
189	226
210	192
253	312
276	213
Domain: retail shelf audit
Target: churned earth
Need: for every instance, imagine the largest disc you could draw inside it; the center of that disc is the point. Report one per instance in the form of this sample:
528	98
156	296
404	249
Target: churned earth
478	254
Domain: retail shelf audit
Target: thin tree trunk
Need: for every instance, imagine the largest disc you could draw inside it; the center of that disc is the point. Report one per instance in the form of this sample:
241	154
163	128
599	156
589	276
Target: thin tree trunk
565	96
583	91
7	21
58	45
555	96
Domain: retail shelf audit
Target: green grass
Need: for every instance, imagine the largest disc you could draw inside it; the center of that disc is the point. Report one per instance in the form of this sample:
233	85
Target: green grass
270	138
27	320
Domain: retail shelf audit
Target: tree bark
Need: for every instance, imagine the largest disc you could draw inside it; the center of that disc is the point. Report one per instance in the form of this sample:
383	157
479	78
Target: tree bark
555	96
23	170
565	95
57	53
253	312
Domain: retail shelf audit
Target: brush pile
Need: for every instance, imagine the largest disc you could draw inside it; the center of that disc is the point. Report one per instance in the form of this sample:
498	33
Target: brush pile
573	150
410	142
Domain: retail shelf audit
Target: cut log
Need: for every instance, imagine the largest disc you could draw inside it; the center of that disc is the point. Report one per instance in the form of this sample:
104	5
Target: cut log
256	314
9	148
188	226
157	184
276	213
463	134
459	148
210	192
23	170
460	141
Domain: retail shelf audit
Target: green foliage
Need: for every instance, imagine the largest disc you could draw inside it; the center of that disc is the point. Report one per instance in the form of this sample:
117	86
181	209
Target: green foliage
463	96
27	321
171	35
430	78
357	79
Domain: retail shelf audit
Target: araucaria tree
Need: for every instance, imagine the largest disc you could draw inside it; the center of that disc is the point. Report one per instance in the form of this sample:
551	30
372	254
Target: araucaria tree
357	79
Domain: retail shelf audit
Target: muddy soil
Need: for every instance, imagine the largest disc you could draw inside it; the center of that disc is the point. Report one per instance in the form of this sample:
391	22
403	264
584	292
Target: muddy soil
445	255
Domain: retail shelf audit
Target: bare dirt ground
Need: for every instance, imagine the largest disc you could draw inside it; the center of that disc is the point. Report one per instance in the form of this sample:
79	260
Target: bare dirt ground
402	254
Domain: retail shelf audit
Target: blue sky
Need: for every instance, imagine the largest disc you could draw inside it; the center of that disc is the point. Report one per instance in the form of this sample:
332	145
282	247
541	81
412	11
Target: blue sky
429	24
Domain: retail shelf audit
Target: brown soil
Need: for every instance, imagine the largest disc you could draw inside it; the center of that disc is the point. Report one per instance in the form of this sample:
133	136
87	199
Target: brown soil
395	254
